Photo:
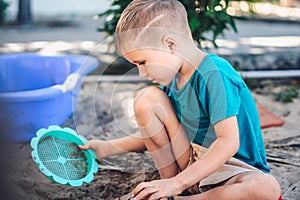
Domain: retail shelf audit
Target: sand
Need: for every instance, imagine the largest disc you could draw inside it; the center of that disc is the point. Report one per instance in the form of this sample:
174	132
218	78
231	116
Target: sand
105	111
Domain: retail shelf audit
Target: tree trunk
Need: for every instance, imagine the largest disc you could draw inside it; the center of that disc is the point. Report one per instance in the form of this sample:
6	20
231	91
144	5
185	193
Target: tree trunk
24	13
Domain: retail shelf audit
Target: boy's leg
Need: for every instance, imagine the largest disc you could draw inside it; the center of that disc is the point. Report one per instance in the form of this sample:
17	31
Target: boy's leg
247	185
163	134
168	144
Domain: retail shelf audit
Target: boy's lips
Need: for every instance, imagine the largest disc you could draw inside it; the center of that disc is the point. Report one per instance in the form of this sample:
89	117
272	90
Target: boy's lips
153	80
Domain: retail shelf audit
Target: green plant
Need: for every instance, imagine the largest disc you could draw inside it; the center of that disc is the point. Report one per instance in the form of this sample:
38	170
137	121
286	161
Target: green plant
207	18
3	6
286	94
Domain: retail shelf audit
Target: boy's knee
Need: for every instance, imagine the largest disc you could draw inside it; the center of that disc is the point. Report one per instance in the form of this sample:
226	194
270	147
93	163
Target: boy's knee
148	97
265	187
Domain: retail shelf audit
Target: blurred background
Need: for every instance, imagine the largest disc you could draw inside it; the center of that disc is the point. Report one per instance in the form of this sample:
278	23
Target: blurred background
85	27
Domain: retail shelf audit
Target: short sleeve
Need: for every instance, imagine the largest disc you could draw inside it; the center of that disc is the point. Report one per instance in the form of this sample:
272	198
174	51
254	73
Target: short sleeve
220	95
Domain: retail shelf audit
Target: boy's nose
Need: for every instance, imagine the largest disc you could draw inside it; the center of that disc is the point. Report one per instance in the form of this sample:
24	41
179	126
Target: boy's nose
142	72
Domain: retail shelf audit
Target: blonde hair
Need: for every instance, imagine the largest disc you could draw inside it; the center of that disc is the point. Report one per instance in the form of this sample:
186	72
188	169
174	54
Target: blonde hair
153	17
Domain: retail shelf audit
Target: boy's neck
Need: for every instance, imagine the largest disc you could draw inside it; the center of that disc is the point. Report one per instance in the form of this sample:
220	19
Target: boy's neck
189	66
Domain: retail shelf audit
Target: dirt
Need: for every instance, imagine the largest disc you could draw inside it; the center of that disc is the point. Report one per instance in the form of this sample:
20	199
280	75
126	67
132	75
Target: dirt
105	111
27	183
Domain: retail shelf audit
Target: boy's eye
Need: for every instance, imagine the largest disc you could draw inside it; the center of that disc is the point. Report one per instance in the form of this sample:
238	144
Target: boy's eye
139	62
142	63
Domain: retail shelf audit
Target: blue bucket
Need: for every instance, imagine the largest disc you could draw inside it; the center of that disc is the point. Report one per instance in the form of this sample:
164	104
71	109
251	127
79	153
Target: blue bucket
37	91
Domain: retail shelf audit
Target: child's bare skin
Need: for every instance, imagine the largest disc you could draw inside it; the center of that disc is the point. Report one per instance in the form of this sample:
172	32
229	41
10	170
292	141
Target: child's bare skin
155	36
105	149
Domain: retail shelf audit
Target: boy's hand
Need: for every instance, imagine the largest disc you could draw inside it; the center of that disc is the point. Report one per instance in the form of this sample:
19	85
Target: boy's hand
157	189
99	146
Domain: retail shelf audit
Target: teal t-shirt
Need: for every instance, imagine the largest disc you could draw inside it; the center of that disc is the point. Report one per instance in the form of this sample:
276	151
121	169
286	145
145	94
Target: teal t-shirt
214	92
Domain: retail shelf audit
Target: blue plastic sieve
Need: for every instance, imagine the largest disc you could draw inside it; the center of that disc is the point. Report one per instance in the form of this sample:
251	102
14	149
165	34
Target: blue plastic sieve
56	153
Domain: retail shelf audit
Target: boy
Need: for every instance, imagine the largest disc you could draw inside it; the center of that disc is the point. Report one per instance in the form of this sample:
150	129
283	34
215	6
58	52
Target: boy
201	126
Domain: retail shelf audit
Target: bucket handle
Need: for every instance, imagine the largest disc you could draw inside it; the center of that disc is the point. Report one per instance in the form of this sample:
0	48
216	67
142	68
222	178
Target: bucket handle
69	84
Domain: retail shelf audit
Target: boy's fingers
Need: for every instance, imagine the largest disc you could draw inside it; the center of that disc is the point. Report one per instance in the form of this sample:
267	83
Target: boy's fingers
137	189
81	147
84	147
146	193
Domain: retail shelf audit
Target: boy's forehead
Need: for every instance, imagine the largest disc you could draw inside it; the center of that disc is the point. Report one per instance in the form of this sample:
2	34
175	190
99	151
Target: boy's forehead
137	54
131	54
129	47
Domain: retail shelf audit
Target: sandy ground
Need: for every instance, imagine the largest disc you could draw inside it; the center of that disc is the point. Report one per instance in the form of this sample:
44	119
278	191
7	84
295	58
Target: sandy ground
105	111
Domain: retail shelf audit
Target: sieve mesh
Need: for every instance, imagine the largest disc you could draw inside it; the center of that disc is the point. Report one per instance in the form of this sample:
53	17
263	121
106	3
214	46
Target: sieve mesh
56	168
63	158
56	152
46	149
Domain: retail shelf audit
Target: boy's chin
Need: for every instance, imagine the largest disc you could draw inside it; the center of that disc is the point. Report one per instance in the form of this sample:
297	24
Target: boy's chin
162	83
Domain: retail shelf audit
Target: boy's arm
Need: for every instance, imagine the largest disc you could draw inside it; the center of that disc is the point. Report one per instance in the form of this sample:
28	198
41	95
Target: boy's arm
132	143
224	147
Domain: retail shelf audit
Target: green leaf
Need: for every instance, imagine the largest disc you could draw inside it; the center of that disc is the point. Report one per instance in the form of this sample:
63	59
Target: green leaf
208	20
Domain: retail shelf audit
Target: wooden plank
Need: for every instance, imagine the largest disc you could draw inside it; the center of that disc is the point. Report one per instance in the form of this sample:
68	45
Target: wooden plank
270	73
114	78
282	161
133	78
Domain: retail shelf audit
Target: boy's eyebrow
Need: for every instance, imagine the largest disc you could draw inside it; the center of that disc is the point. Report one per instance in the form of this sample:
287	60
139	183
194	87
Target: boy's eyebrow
138	61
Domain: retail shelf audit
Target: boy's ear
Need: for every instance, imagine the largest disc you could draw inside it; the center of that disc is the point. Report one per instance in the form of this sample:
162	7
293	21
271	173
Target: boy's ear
169	41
